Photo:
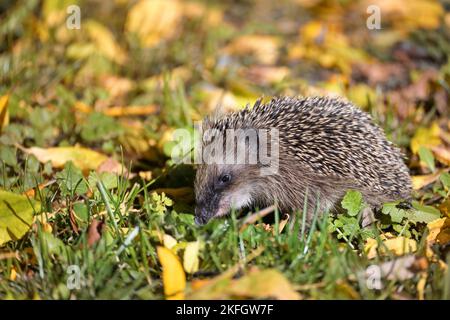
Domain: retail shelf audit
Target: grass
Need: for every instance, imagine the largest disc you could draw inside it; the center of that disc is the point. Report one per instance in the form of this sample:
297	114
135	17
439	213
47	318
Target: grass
316	262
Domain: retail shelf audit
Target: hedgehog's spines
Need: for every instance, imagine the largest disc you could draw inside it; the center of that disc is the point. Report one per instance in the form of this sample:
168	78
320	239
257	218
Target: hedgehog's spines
330	137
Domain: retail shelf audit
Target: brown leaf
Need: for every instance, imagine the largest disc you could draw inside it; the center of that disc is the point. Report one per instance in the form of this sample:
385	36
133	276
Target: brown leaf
95	231
442	154
262	47
111	165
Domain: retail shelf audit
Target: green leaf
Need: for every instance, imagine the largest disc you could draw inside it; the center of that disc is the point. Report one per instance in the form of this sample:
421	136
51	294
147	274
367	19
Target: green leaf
423	213
16	216
71	180
109	180
445	179
427	157
391	209
352	202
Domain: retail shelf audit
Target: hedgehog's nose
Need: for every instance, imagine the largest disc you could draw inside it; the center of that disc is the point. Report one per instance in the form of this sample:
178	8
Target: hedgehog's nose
200	216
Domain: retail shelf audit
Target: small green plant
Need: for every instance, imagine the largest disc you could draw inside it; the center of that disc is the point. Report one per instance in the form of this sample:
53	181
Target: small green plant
347	225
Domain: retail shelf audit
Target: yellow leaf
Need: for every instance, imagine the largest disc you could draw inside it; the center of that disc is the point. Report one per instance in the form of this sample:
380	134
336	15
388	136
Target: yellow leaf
13	274
4	115
54	12
361	94
265	49
421	181
416	14
104	41
83	158
131	110
370	248
16	215
170	78
190	258
421	286
398	246
434	230
426	137
169	241
154	20
401	245
173	276
257	284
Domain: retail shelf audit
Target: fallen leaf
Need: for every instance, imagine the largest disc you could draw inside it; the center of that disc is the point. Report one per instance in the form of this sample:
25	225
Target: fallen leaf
257	284
265	49
4	115
111	165
146	175
104	41
83	158
169	241
417	14
117	86
442	154
13	274
264	75
16	215
95	231
173	276
421	181
170	78
210	17
438	233
154	20
398	246
426	137
119	111
190	258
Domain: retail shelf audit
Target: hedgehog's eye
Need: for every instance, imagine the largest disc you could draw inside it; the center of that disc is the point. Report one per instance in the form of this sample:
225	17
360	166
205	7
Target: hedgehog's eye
225	178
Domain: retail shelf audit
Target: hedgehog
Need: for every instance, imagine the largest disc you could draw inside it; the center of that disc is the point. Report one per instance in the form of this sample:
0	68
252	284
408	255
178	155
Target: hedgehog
325	147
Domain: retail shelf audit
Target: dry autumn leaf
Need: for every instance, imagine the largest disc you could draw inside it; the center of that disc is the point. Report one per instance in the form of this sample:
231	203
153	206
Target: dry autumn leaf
174	278
124	111
398	246
104	41
257	284
190	258
442	154
169	241
438	233
95	231
83	158
423	180
416	14
16	215
154	20
4	115
265	49
426	137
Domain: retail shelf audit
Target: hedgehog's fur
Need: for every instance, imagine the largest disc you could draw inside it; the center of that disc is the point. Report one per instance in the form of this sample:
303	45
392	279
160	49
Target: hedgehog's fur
326	145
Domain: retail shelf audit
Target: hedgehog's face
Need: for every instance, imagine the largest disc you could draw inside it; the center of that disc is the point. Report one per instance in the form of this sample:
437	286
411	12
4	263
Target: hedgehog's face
222	188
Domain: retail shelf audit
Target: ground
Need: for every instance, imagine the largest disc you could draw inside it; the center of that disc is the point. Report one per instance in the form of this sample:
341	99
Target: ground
93	206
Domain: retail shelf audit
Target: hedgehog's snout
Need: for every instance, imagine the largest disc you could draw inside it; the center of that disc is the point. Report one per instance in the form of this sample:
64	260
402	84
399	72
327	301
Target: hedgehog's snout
201	215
